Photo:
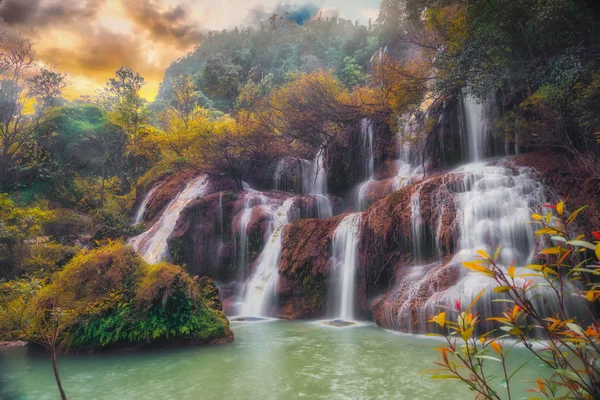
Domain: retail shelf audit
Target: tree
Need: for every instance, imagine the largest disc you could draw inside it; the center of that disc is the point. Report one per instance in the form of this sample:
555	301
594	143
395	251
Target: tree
129	108
221	78
26	92
31	313
18	228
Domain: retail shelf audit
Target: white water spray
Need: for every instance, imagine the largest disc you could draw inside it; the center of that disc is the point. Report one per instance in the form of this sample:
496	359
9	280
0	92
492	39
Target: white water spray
260	290
141	212
152	244
345	256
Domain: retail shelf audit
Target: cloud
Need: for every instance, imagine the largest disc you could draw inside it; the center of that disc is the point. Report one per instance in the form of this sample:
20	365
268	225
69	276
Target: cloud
171	25
100	53
299	13
34	14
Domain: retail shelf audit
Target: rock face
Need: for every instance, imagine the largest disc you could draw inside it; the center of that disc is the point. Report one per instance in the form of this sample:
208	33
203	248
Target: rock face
393	225
169	187
304	268
567	179
345	158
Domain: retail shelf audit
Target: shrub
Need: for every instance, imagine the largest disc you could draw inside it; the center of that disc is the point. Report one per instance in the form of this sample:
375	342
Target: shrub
570	348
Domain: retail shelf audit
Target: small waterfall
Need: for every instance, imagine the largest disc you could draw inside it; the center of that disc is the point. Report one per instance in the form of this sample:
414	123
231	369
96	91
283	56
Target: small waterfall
477	127
260	290
219	253
345	256
416	225
152	244
139	215
318	187
366	132
407	173
253	198
310	178
293	175
495	204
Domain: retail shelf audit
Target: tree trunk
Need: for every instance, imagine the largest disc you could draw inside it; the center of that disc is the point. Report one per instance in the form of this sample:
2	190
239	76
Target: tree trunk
63	396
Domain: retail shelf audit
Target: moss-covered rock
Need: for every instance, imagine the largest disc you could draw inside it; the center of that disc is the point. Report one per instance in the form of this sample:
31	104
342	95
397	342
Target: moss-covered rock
128	303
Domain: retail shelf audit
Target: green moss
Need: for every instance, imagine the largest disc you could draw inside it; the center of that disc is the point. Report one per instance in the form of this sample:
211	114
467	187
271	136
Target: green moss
155	303
177	251
314	290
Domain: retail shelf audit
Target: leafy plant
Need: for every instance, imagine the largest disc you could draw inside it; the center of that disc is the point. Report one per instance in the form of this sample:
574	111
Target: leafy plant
570	348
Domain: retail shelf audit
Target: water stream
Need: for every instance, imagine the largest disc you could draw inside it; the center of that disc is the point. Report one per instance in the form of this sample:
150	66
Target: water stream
152	244
141	212
260	289
345	256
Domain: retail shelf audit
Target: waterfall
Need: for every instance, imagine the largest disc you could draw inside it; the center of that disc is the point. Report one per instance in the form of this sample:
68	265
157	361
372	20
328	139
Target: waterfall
139	215
345	257
366	133
152	244
219	253
406	137
416	225
494	204
252	199
260	290
477	127
293	175
310	178
318	187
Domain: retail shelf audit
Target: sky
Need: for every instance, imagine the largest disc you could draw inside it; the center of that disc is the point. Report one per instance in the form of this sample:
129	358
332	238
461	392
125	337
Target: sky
90	39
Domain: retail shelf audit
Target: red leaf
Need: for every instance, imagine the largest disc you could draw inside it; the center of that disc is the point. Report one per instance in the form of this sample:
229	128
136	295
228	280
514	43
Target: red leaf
596	235
457	305
549	206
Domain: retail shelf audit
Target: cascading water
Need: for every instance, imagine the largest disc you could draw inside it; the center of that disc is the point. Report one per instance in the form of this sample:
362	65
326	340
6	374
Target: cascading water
318	187
152	244
260	290
253	198
366	132
308	177
407	173
345	257
477	127
493	205
139	215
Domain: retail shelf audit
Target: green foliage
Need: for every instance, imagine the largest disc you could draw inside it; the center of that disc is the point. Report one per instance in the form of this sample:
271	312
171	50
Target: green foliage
152	303
351	73
20	229
225	60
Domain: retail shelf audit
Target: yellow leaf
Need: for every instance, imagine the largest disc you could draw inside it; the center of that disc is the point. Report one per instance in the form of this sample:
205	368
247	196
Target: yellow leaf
483	254
477	268
537	217
547	231
502	289
541	386
536	267
496	347
553	250
598	251
511	271
560	207
466	335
